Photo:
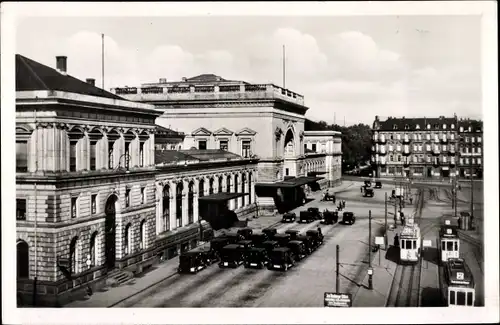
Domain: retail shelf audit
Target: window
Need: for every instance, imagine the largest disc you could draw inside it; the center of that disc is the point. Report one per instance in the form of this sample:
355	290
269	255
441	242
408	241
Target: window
469	299
223	145
395	126
452	297
92	250
20	209
449	245
93	203
178	199
74	207
141	154
472	160
443	246
428	126
287	171
479	139
93	151
21	156
407	126
143	195
399	158
479	150
201	188
228	184
470	128
314	147
466	139
479	161
417	127
111	162
127	198
455	246
142	241
191	203
453	126
202	145
74	257
391	158
166	208
392	136
444	147
444	126
72	156
245	148
460	298
127	155
127	240
23	260
461	129
461	161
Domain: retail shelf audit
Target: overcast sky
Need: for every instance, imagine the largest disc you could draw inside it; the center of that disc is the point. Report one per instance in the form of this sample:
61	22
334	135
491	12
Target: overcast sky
357	67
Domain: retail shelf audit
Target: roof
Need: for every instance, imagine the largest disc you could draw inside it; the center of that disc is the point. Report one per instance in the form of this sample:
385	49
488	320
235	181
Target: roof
210	154
410	231
448	231
31	76
232	246
476	125
292	182
409	124
166	131
221	197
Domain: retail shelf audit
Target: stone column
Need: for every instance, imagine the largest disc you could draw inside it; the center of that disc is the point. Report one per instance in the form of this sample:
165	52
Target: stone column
252	187
240	189
185	202
232	203
159	207
173	205
195	200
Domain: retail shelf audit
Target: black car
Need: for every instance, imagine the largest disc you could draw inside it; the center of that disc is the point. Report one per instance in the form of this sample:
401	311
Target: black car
289	217
315	213
348	218
217	244
378	184
270	232
330	217
233	237
258	239
317	236
231	256
245	232
191	262
306	217
269	245
245	244
308	243
368	183
293	233
281	259
298	249
282	239
368	192
208	255
329	197
256	258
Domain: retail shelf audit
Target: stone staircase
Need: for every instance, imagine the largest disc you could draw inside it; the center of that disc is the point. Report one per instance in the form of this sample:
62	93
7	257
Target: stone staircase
119	278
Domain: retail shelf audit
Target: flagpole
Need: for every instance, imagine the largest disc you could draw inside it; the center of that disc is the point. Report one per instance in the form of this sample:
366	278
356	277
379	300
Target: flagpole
284	68
102	60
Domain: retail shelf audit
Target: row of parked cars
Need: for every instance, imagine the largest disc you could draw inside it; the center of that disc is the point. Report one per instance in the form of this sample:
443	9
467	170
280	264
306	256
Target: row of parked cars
276	251
327	217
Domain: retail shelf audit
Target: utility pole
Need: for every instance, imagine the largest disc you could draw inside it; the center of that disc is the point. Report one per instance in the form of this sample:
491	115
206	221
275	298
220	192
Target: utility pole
370	269
385	220
284	68
102	59
395	213
35	278
337	279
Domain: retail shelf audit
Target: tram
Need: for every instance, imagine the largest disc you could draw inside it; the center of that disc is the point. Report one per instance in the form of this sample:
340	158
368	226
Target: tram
449	243
458	284
409	244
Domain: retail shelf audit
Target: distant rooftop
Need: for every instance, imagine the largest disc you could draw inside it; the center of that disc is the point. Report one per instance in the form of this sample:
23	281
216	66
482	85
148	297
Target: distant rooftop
413	124
172	157
207	78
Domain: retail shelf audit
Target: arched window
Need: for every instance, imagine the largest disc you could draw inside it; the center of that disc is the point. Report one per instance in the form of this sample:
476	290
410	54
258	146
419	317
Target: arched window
236	191
191	203
127	240
220	183
142	229
166	208
201	188
243	189
74	258
93	249
211	186
250	188
228	183
178	199
23	260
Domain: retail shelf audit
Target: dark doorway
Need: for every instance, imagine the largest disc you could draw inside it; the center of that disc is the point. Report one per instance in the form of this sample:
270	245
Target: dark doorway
429	172
445	173
110	228
23	260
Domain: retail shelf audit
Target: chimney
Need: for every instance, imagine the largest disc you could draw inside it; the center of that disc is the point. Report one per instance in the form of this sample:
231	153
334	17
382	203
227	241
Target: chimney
61	64
90	81
163	80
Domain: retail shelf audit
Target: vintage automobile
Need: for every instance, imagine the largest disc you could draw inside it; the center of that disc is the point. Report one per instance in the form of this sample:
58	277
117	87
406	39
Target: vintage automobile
308	243
208	255
368	192
191	262
282	239
368	183
281	258
270	232
289	217
298	249
245	244
329	197
348	218
245	232
269	245
378	184
217	244
233	238
306	217
258	239
256	258
231	256
330	217
293	233
317	236
315	212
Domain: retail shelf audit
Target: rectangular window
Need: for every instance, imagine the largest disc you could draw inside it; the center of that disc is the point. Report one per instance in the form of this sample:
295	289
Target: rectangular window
127	155
455	246
452	297
314	147
74	208
93	153
21	156
202	145
479	161
20	209
479	150
93	203
443	246
460	298
141	154
127	198
399	158
72	156
143	195
223	145
449	246
305	147
245	148
111	162
469	299
287	172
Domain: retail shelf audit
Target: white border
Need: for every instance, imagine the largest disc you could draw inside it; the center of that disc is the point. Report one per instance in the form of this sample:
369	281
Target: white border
251	316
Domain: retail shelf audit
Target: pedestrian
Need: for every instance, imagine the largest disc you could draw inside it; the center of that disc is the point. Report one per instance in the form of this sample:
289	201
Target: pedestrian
411	200
396	240
343	204
89	290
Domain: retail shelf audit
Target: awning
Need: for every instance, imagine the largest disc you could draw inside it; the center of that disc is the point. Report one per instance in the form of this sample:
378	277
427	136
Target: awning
321	172
221	197
293	182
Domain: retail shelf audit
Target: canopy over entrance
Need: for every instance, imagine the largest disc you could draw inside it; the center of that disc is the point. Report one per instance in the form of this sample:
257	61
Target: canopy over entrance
321	172
214	209
221	197
291	182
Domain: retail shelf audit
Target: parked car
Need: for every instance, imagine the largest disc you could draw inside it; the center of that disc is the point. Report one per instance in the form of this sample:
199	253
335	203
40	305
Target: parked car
256	258
245	244
315	212
282	239
330	217
233	237
317	237
231	256
306	217
368	192
191	262
348	218
378	184
270	232
245	232
269	245
293	233
308	243
217	244
258	239
289	217
298	249
281	258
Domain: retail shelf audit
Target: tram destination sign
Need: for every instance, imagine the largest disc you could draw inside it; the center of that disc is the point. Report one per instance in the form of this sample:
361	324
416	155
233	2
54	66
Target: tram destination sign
333	299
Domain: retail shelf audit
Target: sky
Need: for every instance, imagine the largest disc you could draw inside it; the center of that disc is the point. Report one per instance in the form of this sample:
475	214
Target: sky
348	67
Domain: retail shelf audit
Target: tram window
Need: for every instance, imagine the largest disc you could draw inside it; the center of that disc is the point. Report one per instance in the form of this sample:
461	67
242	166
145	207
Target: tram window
469	299
403	244
456	246
414	244
452	297
443	245
449	246
461	298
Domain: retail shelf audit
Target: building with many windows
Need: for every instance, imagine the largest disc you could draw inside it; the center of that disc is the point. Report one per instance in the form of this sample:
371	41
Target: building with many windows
263	121
470	133
102	191
424	147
